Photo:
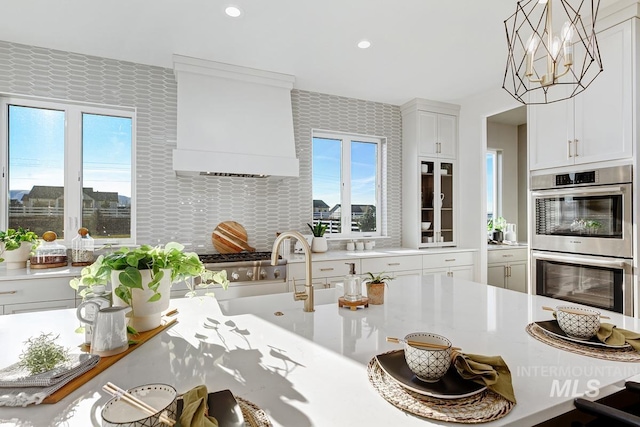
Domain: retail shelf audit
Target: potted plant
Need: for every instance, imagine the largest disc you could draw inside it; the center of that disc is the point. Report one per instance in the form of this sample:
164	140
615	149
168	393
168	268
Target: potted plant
16	246
498	227
142	277
319	242
375	287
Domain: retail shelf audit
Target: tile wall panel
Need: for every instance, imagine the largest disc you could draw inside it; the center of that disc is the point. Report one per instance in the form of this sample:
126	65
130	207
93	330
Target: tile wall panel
187	209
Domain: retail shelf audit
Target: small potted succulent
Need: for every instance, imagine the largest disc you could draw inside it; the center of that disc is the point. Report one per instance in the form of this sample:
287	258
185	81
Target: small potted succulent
375	287
16	246
319	242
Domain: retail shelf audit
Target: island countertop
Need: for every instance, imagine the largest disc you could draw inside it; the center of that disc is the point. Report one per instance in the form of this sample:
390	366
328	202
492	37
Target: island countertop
309	369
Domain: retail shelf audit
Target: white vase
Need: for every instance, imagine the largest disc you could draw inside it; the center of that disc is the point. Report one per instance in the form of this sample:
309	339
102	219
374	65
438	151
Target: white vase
145	315
17	258
319	244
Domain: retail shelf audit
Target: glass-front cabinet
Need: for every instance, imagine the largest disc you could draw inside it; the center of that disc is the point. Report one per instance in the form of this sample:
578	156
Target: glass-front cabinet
437	202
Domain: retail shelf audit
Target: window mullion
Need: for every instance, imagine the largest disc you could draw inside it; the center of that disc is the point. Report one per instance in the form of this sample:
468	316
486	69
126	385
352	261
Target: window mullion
4	163
73	170
346	186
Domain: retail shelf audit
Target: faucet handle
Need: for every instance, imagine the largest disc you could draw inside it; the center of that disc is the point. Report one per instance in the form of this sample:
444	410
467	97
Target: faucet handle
298	296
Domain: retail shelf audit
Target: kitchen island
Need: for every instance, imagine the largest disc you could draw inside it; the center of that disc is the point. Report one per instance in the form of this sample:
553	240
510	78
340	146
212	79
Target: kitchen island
309	369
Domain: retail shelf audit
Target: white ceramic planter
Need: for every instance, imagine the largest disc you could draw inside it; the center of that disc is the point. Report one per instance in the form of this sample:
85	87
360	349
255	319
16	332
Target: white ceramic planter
319	244
145	315
17	258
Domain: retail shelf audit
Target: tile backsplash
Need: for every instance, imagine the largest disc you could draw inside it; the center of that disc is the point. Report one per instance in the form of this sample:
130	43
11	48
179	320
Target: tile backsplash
187	209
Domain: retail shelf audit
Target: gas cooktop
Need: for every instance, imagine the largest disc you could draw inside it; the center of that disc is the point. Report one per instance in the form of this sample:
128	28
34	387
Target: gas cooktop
246	266
235	257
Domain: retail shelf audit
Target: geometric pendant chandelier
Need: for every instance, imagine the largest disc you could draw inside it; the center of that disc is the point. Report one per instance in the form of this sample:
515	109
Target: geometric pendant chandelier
553	50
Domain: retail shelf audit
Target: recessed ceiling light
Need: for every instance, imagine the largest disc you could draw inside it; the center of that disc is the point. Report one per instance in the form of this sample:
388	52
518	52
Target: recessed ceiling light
364	44
233	11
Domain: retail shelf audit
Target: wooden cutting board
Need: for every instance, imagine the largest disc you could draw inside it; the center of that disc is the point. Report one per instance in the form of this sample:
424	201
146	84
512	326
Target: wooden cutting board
230	237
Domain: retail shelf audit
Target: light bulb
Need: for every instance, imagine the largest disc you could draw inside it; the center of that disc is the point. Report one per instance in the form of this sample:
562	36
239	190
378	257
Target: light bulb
567	32
233	11
555	47
532	43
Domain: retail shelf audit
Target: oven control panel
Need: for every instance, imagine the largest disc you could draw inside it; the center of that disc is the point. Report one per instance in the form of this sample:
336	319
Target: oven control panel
576	178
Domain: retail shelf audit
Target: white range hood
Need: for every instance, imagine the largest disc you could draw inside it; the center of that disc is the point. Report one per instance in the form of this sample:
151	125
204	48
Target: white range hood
233	121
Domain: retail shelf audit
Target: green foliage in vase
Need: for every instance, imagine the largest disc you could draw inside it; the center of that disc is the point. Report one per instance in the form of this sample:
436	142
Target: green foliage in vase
182	265
378	278
12	239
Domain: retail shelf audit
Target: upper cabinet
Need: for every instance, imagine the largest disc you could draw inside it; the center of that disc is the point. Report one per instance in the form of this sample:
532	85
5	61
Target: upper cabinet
429	149
437	134
597	124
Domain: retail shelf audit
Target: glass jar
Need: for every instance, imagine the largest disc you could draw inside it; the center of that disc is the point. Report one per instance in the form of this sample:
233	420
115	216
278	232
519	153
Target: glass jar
82	247
50	253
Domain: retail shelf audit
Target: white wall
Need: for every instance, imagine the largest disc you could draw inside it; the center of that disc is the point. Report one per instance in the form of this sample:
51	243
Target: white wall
473	149
523	188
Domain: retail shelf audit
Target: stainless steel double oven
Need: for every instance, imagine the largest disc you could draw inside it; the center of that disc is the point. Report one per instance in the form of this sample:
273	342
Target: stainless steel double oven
582	246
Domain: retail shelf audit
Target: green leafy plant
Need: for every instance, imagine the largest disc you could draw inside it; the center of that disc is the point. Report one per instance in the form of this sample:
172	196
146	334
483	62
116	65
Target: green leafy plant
42	354
12	239
499	224
378	278
490	225
368	220
182	265
318	229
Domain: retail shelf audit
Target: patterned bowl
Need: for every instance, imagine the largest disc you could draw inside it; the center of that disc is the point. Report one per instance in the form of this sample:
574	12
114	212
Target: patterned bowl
163	397
428	365
577	322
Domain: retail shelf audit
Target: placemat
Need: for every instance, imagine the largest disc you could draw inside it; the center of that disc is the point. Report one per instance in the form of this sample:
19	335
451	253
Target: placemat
105	362
614	354
252	414
479	408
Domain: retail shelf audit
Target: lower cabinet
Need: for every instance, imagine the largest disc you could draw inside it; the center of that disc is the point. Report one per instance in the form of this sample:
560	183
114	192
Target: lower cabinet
325	274
507	268
452	264
394	266
25	295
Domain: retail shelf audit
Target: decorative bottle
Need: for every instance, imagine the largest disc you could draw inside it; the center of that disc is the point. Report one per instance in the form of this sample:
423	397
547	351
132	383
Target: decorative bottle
352	284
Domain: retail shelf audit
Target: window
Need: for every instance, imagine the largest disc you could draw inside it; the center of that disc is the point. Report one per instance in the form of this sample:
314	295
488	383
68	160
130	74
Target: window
494	161
346	183
68	166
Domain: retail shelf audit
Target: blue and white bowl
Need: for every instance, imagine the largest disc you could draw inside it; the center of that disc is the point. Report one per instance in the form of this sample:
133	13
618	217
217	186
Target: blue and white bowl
577	322
427	364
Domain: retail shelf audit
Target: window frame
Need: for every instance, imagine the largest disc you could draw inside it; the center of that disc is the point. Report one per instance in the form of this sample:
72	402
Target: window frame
345	196
496	183
73	166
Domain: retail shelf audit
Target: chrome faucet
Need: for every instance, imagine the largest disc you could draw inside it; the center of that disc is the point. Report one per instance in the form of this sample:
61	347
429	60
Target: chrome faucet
307	294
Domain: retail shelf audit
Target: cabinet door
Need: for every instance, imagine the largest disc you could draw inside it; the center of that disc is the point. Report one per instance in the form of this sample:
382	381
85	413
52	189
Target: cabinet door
604	111
447	136
517	280
427	133
39	306
435	271
446	199
550	128
464	272
496	275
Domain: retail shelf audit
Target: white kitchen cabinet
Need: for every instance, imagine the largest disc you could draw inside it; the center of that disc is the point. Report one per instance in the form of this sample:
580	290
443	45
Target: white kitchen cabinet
17	296
597	124
437	134
394	266
507	268
452	264
323	273
39	306
429	145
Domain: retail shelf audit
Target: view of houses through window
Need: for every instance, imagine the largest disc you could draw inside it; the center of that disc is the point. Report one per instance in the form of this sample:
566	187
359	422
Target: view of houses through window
69	166
346	172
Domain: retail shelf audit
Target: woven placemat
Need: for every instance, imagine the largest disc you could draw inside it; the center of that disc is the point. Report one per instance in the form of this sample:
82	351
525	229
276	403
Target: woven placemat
627	354
480	408
252	414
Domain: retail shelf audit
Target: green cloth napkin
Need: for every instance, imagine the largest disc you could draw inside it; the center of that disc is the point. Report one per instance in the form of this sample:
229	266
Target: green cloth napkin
194	410
610	334
490	371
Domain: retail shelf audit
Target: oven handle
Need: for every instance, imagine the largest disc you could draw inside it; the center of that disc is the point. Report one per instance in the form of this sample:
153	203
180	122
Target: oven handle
607	190
582	260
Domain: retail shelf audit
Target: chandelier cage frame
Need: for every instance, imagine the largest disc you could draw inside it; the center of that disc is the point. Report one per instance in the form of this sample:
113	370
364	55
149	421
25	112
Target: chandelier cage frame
530	77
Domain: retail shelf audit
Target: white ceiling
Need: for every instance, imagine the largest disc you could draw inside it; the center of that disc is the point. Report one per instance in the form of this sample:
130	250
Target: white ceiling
436	49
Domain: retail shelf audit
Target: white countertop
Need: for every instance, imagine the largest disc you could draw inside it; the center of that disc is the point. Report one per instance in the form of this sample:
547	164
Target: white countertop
37	273
309	369
333	255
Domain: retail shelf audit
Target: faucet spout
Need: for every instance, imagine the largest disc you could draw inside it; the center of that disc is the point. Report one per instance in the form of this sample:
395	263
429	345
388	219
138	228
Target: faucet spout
307	295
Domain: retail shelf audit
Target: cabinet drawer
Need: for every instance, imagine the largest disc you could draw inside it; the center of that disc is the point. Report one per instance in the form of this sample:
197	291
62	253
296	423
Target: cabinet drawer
39	306
389	264
447	260
35	290
506	255
321	269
